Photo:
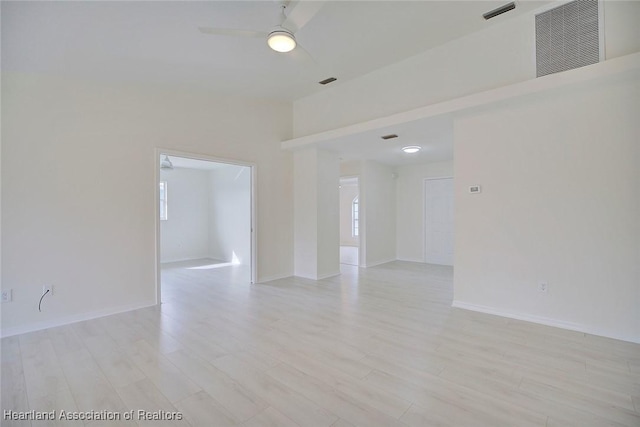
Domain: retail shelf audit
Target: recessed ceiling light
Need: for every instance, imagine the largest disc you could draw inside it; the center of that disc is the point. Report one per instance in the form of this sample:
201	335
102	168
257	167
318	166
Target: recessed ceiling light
411	149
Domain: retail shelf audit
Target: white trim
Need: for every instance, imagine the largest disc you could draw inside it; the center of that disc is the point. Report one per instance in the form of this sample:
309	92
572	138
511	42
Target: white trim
46	324
543	321
156	198
438	177
326	276
265	279
316	277
254	222
420	261
519	316
384	261
253	170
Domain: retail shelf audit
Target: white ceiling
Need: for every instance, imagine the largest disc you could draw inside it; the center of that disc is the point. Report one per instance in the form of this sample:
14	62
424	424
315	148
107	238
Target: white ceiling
159	42
434	135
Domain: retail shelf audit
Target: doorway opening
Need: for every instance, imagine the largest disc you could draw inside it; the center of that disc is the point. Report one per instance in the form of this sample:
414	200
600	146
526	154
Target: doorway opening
205	221
349	220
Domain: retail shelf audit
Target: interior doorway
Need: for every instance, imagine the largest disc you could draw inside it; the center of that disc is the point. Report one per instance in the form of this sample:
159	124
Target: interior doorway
438	221
205	218
349	220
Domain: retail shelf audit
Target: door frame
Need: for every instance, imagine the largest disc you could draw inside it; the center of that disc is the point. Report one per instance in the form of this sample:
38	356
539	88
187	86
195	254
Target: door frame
424	213
158	152
360	228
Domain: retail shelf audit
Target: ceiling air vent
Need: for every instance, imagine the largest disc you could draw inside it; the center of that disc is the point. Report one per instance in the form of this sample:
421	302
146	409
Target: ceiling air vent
327	81
499	11
567	37
390	136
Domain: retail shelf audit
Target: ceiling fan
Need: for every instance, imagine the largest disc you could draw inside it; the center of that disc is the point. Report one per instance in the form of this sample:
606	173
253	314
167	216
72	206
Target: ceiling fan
281	37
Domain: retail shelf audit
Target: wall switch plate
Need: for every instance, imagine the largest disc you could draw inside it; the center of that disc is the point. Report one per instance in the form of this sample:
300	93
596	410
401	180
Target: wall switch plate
7	295
542	287
46	288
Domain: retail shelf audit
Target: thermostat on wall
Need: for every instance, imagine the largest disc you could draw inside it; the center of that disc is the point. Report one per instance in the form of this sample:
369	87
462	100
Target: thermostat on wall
475	189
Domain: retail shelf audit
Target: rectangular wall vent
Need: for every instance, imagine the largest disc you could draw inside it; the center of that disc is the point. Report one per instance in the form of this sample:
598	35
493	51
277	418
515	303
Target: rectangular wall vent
499	11
567	37
327	81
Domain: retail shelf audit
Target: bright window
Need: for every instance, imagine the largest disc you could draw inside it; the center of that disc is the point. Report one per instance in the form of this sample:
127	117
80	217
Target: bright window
354	217
163	200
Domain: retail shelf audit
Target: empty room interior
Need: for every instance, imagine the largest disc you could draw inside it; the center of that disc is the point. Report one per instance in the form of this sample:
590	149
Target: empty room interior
320	213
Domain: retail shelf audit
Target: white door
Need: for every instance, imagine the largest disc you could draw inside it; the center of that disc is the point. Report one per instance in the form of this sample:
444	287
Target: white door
438	224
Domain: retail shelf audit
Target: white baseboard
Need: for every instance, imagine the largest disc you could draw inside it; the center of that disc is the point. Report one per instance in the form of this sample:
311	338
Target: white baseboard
384	261
519	316
38	326
316	278
265	279
543	321
421	261
326	276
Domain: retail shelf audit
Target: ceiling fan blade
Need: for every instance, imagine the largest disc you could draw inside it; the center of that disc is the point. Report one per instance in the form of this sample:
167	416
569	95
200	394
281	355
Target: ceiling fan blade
232	32
301	54
301	14
304	58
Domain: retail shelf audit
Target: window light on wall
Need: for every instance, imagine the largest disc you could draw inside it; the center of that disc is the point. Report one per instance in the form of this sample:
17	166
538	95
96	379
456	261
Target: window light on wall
163	200
354	217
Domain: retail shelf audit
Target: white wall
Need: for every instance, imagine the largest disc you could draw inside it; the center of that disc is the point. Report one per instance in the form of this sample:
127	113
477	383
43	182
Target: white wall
410	207
350	168
316	208
328	214
78	188
348	192
185	235
559	203
495	57
377	214
305	213
229	228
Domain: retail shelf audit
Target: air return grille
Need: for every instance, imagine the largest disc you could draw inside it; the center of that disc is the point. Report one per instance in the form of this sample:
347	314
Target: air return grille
567	37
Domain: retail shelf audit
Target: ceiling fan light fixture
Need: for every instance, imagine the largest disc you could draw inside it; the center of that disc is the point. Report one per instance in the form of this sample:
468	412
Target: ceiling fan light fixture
281	40
166	164
411	149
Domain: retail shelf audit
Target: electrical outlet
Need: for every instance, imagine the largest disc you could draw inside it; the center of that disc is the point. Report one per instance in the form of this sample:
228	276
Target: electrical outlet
543	287
46	288
7	295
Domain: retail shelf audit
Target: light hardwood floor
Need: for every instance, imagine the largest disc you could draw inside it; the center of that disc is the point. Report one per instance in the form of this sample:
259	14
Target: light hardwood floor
372	347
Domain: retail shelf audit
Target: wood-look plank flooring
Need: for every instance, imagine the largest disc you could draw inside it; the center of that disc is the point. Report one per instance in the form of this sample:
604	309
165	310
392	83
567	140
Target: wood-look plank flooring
373	347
